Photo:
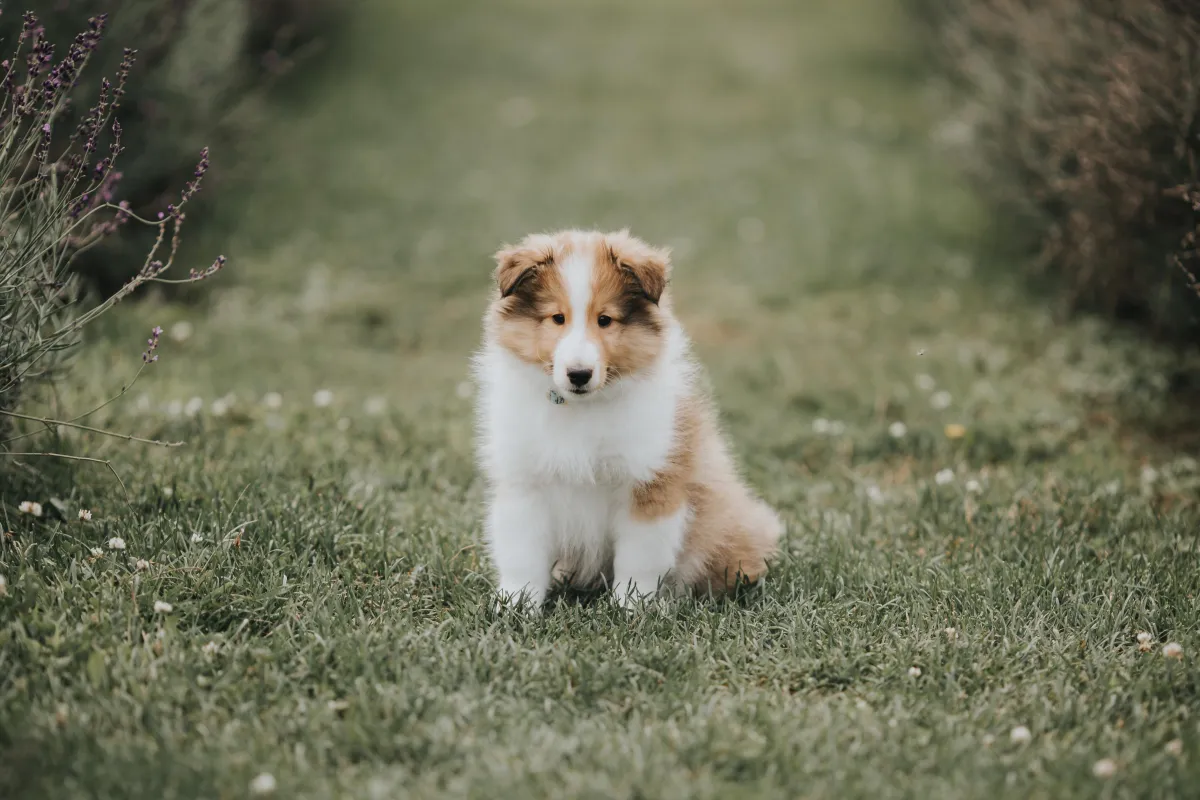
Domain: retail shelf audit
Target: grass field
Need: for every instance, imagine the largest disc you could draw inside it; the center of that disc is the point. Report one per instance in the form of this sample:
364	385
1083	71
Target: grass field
980	521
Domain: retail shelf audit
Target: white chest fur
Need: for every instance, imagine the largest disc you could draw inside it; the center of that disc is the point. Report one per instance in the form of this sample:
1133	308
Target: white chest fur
622	436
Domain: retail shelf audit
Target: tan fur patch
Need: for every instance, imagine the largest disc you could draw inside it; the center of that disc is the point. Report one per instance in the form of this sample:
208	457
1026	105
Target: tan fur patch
669	490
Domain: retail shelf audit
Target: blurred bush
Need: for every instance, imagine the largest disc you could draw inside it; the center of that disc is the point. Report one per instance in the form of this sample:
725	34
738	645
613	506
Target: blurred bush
1081	121
201	71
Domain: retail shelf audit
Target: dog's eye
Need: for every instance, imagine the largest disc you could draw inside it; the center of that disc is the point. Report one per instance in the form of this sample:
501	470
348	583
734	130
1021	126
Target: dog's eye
604	321
559	319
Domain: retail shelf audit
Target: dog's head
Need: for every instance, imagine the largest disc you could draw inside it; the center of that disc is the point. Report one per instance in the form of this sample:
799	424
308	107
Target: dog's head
587	307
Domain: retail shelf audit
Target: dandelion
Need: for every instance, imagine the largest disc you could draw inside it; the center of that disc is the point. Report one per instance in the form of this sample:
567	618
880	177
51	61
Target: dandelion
375	406
1020	735
897	430
1173	650
944	477
973	486
85	515
914	672
162	607
273	400
1174	747
181	331
925	383
322	398
955	431
30	507
940	400
264	783
193	406
1104	768
142	565
116	543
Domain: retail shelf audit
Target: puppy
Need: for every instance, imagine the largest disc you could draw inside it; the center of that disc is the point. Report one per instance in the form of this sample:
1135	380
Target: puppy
601	450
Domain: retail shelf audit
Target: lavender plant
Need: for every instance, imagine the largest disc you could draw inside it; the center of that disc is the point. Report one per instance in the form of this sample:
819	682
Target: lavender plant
57	200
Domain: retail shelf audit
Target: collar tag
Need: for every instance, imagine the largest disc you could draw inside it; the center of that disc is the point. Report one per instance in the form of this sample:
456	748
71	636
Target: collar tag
556	398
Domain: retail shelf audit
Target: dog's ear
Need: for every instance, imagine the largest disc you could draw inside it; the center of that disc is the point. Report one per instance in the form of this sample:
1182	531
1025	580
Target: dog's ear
517	264
649	268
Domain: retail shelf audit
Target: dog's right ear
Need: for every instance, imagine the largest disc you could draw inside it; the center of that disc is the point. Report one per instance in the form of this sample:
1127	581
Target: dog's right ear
515	265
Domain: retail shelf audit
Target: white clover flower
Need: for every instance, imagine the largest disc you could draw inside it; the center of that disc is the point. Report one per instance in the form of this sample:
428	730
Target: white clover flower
820	426
914	672
162	607
1144	637
925	383
3	586
1020	735
1173	650
897	430
181	331
944	477
375	406
1174	747
116	543
875	494
197	538
1104	768
343	424
174	408
210	648
322	398
220	407
96	552
951	633
85	514
973	486
273	400
30	507
193	406
940	400
264	783
142	565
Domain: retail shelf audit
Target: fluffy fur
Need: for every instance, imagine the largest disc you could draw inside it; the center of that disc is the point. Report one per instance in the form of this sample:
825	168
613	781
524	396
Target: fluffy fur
601	450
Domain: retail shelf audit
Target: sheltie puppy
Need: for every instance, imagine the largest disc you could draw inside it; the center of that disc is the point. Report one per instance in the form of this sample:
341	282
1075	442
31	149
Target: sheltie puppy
603	459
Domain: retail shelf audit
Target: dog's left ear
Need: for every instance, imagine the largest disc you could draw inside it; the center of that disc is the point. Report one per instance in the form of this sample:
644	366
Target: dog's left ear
648	267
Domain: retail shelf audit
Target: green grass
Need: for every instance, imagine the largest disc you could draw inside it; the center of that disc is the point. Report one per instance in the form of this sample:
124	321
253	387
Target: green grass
329	619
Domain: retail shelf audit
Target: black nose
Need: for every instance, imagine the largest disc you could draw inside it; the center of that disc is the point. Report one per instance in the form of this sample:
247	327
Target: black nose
579	377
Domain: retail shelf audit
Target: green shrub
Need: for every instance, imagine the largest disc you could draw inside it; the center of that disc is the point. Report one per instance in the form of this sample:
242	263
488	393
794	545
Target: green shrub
57	175
1084	114
202	69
